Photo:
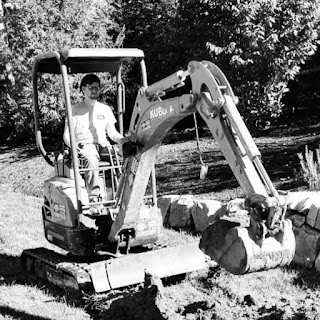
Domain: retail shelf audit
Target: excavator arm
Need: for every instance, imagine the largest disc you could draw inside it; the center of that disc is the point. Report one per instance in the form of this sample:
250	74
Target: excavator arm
212	97
268	241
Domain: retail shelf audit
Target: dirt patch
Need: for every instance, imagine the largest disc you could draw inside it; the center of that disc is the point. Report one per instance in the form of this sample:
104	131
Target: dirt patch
215	294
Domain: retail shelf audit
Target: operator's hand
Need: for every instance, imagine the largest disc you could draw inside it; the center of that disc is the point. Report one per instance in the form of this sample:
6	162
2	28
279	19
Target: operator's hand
129	146
79	147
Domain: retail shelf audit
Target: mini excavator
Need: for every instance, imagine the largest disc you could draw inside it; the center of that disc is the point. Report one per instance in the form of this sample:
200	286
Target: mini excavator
117	247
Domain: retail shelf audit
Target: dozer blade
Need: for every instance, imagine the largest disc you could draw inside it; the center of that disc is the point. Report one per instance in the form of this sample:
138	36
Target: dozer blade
131	269
232	248
104	275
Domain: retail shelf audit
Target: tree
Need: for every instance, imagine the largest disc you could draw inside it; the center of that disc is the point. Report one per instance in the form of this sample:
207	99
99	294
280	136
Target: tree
259	44
149	27
34	27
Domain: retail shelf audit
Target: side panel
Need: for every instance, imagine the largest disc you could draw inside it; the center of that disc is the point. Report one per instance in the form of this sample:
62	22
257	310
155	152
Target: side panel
60	204
60	217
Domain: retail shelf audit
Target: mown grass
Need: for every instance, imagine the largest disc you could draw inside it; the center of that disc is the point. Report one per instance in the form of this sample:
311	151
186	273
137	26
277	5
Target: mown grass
24	173
21	298
283	294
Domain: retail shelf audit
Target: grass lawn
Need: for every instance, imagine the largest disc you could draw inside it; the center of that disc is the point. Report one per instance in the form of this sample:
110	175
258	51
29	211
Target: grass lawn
20	298
284	293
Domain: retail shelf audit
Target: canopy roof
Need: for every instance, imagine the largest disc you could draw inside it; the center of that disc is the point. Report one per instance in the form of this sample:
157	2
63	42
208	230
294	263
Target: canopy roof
82	60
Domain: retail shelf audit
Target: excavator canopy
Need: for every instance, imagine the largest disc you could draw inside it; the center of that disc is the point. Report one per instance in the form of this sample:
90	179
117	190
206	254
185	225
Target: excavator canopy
81	60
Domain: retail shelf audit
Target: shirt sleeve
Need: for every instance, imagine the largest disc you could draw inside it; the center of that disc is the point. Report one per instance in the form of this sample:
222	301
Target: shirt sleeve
112	132
66	133
110	115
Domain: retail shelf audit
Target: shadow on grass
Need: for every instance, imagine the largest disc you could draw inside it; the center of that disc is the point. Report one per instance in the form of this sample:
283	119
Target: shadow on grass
279	157
11	272
133	305
17	314
307	278
295	130
16	154
275	313
184	178
29	150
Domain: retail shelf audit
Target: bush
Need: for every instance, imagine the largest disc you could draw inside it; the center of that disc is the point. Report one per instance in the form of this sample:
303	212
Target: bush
310	168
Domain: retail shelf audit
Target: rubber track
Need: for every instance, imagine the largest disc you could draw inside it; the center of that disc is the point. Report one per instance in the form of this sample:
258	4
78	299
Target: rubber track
67	266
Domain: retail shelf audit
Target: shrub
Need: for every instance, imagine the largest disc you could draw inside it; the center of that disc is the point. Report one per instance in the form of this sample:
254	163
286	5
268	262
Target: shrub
310	168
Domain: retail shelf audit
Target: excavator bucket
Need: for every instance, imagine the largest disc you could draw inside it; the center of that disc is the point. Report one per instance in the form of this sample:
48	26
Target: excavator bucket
235	249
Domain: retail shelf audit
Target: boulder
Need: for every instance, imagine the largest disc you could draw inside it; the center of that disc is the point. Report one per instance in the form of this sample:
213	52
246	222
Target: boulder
302	201
205	212
180	212
235	206
297	219
317	263
164	204
304	212
313	216
307	246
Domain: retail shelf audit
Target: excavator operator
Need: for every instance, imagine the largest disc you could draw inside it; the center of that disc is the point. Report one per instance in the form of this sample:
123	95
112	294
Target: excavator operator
91	121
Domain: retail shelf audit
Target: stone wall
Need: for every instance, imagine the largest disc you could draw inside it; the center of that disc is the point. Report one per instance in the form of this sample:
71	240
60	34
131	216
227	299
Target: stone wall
303	209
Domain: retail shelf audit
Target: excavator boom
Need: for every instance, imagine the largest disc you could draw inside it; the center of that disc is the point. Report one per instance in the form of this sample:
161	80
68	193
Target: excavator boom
153	118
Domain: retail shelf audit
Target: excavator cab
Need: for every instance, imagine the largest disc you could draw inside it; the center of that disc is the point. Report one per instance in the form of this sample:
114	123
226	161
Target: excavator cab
66	216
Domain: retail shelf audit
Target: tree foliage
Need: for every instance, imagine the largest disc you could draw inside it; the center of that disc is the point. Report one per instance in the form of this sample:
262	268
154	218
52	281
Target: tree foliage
149	26
265	45
33	27
259	44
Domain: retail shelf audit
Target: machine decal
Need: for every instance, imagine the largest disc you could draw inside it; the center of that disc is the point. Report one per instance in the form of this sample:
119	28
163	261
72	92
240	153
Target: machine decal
133	171
52	234
59	211
145	125
160	112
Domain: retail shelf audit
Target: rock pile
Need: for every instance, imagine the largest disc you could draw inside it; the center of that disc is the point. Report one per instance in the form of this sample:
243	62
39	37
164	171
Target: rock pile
303	210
